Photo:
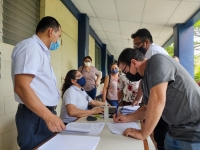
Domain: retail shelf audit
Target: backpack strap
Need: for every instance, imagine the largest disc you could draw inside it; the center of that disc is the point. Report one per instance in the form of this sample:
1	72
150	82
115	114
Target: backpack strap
109	76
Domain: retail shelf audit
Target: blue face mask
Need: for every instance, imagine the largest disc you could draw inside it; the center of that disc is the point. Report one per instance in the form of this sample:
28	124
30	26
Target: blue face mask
81	82
54	46
114	71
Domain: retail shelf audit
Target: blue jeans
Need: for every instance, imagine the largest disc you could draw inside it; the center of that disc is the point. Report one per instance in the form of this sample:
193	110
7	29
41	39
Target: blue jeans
113	102
174	144
92	93
32	129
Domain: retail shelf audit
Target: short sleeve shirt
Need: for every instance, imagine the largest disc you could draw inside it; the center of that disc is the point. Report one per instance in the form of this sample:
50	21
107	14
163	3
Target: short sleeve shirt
31	56
89	76
77	97
181	110
155	49
129	88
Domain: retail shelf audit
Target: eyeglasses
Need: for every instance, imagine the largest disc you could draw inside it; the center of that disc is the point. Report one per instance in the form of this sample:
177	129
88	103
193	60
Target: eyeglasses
136	44
124	69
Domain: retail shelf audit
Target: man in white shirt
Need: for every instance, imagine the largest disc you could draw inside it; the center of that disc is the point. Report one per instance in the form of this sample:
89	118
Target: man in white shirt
143	41
35	85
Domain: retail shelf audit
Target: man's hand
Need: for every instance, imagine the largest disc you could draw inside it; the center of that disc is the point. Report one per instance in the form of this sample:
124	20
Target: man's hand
97	110
135	103
135	133
54	123
120	118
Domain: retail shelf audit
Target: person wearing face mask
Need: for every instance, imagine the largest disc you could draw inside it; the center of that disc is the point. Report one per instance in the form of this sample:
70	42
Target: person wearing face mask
110	86
90	72
75	99
35	85
169	92
143	41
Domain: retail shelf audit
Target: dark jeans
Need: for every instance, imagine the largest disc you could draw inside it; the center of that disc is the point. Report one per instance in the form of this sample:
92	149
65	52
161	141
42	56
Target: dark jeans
113	102
32	129
159	133
92	93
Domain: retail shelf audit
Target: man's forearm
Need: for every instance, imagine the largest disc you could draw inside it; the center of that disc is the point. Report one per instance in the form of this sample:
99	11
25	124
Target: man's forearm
30	99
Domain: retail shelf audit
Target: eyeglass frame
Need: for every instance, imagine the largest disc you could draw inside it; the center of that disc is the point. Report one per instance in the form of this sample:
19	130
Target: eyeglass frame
124	69
136	45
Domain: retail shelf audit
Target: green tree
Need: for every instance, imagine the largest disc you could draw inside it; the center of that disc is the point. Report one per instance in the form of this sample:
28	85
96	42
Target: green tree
170	50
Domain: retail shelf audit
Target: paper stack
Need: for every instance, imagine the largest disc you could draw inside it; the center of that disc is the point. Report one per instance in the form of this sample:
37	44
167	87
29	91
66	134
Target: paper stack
84	128
69	142
129	109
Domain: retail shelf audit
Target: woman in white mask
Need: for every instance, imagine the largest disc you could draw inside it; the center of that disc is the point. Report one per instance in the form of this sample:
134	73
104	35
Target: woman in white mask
89	72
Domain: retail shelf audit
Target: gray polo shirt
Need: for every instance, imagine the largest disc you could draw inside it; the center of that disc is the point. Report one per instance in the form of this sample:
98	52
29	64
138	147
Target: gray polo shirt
77	97
182	108
89	77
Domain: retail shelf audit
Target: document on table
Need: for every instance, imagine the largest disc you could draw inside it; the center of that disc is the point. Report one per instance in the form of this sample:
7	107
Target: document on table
119	128
69	142
86	128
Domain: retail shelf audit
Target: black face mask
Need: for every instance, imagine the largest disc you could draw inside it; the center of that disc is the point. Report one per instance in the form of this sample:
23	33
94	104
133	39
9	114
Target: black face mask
133	77
143	50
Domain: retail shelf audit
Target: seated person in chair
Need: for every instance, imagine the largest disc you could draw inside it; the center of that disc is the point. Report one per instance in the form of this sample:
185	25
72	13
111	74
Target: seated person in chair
75	99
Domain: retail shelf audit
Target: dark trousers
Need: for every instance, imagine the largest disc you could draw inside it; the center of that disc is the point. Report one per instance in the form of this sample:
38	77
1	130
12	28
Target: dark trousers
32	129
159	133
92	93
113	102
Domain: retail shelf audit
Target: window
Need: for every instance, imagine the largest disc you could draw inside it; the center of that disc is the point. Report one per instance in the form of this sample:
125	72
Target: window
20	18
97	57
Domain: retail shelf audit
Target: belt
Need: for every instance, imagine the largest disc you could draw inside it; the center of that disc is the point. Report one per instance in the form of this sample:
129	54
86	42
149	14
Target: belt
51	108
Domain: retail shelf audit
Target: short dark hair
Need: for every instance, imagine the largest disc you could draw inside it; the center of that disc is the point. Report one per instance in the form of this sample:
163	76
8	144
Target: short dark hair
128	54
47	22
143	34
87	57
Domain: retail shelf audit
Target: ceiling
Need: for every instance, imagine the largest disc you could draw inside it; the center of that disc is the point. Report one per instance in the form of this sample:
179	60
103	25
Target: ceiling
115	20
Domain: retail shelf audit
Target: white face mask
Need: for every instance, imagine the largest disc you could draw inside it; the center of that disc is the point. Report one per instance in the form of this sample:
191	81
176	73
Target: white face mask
88	64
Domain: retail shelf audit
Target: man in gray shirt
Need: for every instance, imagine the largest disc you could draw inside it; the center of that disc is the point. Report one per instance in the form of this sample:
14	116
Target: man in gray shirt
169	91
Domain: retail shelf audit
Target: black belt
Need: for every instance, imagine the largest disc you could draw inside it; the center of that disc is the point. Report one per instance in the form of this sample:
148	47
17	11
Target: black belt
51	108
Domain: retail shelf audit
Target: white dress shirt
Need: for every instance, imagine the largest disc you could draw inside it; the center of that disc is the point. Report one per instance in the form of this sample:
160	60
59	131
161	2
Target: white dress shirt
31	56
154	49
77	97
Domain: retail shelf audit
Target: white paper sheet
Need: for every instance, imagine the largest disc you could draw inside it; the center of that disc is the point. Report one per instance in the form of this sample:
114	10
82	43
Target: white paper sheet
84	128
71	142
119	128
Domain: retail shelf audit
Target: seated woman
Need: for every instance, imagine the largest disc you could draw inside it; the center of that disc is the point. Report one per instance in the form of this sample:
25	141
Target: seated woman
75	99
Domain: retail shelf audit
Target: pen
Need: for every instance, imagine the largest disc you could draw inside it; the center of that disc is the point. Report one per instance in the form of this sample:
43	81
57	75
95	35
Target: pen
116	112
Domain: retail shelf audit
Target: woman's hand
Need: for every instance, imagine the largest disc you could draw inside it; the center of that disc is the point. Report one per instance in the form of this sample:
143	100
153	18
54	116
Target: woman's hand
97	110
97	83
135	103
